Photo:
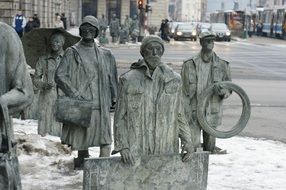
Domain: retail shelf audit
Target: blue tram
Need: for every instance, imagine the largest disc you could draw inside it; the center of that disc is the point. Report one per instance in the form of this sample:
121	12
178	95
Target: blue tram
274	22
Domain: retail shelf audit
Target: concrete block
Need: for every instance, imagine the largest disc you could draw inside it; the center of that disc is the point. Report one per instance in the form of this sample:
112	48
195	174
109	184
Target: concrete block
149	172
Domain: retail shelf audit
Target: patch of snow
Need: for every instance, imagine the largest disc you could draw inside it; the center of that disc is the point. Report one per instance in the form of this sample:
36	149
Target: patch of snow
250	164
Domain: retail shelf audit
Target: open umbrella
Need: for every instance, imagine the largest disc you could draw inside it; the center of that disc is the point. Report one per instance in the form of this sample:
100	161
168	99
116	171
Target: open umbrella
36	43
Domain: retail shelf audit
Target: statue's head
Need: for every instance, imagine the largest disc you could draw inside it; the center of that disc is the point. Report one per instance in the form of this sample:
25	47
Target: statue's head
57	42
207	40
89	28
152	49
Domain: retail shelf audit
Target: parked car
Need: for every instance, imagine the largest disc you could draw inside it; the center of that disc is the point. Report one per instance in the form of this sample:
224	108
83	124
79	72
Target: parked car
185	31
221	30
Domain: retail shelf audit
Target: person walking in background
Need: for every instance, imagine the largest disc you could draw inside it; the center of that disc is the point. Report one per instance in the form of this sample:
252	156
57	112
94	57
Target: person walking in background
64	19
58	22
30	25
36	20
19	23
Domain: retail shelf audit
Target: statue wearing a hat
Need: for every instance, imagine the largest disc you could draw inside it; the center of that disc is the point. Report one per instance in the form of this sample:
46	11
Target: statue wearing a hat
87	73
198	73
149	118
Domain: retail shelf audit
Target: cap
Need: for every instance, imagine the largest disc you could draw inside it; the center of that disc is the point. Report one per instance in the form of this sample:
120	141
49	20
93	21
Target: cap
207	35
149	39
90	20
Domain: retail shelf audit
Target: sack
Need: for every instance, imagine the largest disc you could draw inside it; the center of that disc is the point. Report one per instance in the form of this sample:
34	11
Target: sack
72	111
9	165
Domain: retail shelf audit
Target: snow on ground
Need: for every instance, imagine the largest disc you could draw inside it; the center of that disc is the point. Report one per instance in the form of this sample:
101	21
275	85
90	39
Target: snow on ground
250	164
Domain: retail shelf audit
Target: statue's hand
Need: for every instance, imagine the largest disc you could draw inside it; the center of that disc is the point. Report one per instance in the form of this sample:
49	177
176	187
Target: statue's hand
221	91
3	103
127	157
47	86
189	149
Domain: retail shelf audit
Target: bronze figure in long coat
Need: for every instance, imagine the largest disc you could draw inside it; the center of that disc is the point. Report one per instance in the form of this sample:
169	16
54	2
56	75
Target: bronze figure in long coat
86	62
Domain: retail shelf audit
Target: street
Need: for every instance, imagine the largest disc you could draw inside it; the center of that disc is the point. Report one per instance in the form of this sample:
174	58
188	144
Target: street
257	65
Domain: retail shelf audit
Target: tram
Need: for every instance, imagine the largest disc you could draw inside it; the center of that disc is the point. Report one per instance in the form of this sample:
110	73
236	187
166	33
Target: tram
274	22
235	20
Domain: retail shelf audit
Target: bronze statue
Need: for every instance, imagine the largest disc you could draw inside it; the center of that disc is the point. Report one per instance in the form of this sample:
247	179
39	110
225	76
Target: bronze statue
88	77
149	117
16	93
44	81
198	73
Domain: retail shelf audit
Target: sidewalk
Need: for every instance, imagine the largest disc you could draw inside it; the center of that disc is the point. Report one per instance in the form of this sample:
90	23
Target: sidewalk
260	40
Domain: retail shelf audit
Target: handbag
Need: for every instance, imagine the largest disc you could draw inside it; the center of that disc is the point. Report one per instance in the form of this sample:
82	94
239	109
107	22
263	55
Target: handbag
73	111
9	165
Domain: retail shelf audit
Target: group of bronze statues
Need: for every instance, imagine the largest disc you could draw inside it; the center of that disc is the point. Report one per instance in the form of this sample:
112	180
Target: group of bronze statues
154	105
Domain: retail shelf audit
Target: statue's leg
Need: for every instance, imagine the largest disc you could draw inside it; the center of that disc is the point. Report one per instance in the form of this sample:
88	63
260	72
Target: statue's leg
196	135
105	150
208	142
81	155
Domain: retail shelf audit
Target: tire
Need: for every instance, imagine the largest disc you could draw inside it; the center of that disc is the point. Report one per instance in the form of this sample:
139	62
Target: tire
240	125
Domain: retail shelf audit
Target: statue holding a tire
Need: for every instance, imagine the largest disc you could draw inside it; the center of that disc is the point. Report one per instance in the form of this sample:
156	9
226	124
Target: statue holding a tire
206	83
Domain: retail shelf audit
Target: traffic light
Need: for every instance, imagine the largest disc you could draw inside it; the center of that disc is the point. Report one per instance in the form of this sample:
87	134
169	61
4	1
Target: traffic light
148	8
140	4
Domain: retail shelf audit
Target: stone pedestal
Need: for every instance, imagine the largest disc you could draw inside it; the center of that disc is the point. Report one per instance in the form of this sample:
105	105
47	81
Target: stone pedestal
149	172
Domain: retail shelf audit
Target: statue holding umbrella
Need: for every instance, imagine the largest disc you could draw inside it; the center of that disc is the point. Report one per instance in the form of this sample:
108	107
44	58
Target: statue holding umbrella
44	49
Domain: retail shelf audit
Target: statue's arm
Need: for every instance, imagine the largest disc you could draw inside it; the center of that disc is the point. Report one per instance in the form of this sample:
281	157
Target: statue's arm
21	92
113	79
189	79
184	128
38	74
227	75
120	119
63	72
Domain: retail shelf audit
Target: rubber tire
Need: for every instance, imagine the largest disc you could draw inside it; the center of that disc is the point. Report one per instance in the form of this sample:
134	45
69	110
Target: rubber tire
246	111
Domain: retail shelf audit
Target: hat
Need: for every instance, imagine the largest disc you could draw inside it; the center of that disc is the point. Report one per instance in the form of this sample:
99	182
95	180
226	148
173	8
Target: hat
207	35
90	20
149	39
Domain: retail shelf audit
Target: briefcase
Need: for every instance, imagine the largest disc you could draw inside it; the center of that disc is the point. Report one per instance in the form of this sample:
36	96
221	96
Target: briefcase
74	112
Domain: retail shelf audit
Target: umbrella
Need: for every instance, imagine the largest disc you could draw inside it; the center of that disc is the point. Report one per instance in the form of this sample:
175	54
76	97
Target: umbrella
36	43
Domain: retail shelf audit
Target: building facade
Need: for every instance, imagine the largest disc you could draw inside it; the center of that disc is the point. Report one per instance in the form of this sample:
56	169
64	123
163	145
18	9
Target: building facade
190	10
46	10
126	7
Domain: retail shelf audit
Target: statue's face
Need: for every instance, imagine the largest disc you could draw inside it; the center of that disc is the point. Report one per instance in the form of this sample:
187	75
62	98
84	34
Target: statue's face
57	43
207	44
152	54
88	32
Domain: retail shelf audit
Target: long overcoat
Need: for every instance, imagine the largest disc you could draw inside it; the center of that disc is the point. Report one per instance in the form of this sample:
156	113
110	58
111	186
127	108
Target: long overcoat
70	76
44	73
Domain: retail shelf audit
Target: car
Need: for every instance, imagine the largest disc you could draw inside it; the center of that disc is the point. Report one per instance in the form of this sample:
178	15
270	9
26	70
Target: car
203	27
221	30
185	32
172	27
